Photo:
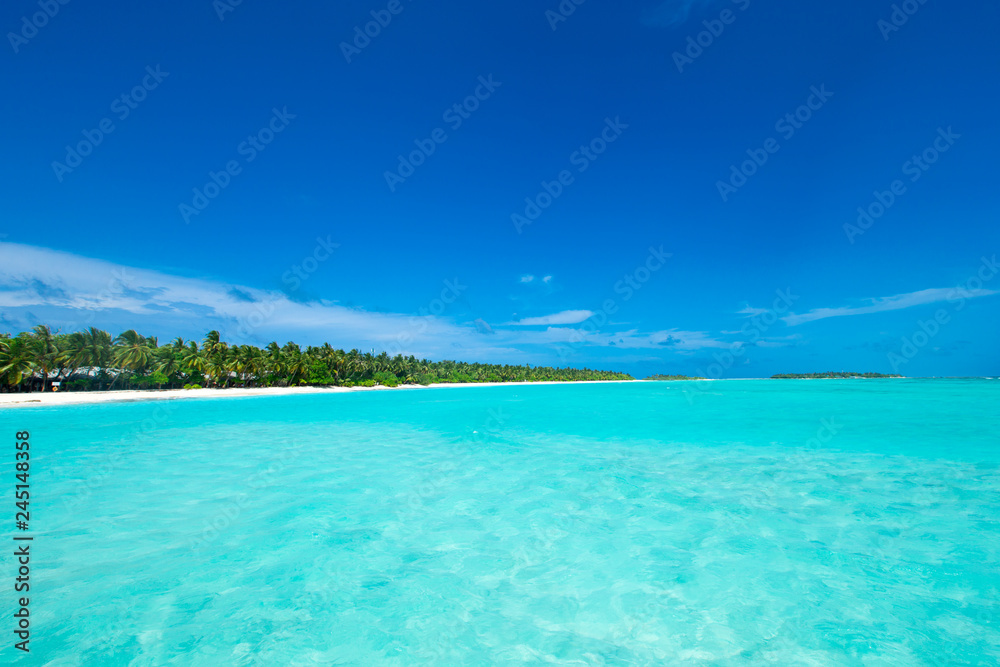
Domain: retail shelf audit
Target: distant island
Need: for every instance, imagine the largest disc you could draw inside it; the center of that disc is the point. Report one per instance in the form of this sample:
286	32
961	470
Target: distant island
831	376
671	378
92	360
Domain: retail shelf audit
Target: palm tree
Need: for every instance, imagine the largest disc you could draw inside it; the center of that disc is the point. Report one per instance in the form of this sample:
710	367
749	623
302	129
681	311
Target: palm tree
211	343
40	352
133	352
17	359
298	369
73	354
192	360
43	346
168	361
98	346
216	357
248	363
217	363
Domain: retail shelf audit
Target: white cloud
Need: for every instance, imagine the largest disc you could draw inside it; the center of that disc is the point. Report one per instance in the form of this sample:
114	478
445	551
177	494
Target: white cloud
685	341
527	278
780	341
547	279
887	303
73	292
565	317
674	340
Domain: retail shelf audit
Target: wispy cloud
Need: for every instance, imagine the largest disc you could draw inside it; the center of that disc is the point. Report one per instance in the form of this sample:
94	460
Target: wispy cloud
685	341
674	340
779	341
565	317
527	278
887	303
73	292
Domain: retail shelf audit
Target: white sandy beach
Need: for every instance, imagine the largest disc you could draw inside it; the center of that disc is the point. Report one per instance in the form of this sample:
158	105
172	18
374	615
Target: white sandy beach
82	397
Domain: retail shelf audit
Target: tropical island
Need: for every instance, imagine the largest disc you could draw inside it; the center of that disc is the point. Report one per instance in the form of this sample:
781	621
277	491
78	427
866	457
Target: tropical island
671	378
92	360
831	376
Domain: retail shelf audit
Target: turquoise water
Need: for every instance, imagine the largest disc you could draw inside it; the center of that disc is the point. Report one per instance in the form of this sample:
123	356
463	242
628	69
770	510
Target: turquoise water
725	523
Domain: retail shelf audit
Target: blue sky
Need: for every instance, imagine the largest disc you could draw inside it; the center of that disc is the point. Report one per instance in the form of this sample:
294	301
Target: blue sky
645	253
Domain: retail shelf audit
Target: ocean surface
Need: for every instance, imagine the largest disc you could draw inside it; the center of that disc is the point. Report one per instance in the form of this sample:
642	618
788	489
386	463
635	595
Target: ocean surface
834	522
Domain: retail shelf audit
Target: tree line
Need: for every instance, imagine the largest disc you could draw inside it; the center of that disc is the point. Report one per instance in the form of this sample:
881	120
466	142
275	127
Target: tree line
839	375
93	360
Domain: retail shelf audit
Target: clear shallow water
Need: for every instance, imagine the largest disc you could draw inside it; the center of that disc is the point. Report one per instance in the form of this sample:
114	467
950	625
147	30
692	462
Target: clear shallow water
726	523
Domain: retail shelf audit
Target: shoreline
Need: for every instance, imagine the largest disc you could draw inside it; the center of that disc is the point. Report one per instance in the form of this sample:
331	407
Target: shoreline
52	399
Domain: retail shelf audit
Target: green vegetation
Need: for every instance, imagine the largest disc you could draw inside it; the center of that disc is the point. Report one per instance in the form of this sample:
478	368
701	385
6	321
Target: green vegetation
668	378
93	360
830	376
